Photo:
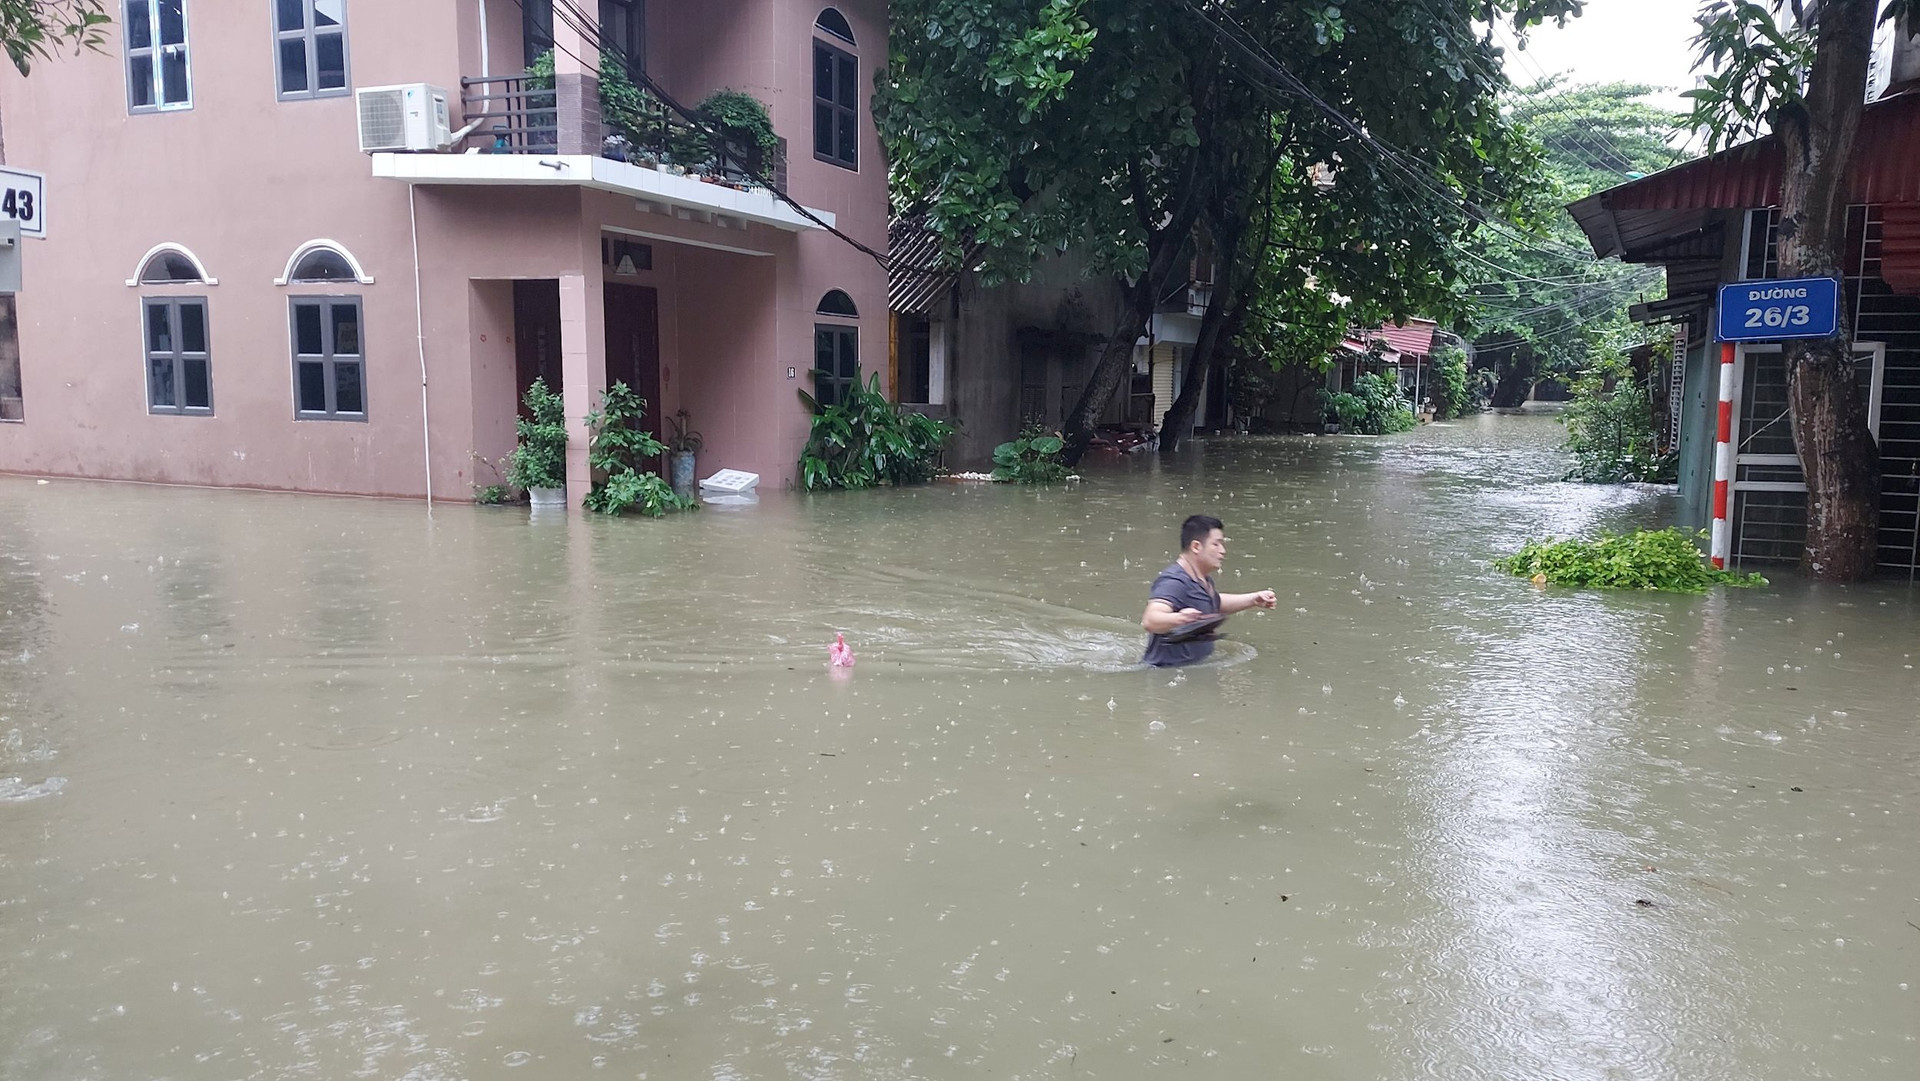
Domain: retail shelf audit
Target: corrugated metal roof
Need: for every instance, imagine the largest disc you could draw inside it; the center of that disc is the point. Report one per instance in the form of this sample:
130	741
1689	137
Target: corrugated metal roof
1415	337
1886	168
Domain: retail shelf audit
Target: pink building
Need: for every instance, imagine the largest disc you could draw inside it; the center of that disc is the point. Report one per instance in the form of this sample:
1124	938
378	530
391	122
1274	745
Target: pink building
232	292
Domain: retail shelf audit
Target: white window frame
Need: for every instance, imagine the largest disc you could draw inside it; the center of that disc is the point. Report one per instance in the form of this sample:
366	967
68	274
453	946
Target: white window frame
156	52
1877	388
310	34
140	268
286	276
179	355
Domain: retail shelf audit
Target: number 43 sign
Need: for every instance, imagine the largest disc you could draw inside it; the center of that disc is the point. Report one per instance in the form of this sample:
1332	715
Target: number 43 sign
1769	311
23	198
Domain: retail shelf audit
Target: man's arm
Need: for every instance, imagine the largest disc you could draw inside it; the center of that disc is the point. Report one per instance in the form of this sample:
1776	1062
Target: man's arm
1240	602
1159	618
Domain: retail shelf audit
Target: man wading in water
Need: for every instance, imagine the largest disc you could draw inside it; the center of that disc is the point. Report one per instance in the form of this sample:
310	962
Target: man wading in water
1184	593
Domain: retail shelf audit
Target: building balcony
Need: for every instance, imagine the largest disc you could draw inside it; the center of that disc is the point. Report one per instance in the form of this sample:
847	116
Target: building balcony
527	130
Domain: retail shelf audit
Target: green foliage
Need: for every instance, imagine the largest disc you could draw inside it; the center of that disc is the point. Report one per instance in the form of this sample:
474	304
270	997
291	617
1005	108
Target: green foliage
1610	429
490	494
623	106
540	458
1032	458
1451	396
865	439
35	29
619	448
1375	406
1665	559
1029	126
1542	306
742	117
1350	412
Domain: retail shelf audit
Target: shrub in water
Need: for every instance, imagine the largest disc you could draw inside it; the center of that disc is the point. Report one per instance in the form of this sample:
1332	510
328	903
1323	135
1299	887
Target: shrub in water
1662	559
620	446
540	458
866	439
1610	429
1033	458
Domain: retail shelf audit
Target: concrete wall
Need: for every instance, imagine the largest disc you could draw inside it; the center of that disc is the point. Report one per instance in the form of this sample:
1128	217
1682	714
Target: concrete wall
985	348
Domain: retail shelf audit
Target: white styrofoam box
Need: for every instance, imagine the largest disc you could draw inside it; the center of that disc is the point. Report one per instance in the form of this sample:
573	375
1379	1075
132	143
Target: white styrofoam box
731	480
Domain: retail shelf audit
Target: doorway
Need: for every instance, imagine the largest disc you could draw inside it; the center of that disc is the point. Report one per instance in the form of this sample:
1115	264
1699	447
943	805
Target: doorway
633	347
536	337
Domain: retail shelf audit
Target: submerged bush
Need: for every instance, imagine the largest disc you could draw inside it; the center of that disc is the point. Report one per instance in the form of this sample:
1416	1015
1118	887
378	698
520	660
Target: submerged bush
1374	406
1660	559
866	439
1032	458
1610	429
620	448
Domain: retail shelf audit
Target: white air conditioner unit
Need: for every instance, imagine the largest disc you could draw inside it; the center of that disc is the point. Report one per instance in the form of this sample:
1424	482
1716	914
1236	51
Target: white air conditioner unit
411	116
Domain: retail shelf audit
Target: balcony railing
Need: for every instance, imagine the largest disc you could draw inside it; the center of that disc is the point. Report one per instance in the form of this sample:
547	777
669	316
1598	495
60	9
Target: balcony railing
518	114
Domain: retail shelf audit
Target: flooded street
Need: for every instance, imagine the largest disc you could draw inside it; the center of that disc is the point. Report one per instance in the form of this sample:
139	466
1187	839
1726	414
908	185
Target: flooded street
296	787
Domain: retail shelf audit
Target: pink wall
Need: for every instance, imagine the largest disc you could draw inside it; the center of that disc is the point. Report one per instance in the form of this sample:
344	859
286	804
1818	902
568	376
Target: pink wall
242	179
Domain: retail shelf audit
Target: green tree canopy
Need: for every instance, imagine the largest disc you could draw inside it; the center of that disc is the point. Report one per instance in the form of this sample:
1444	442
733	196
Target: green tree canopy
1541	304
1116	126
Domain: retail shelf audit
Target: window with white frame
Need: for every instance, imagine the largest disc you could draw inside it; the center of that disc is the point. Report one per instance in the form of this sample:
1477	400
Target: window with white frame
329	369
179	365
159	75
310	47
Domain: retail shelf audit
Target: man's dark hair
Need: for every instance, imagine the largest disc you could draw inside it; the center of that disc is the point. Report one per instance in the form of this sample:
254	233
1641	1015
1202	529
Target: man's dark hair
1196	528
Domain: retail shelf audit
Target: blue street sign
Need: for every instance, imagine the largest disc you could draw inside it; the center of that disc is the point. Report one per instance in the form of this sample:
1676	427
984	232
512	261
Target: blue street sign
1769	311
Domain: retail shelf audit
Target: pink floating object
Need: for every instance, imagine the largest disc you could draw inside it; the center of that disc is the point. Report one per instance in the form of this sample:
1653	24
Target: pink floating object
839	654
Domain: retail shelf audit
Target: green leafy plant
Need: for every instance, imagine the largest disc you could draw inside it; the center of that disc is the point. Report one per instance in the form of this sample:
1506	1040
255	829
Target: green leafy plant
682	439
540	458
1031	458
1610	429
866	439
743	120
623	106
1348	411
1386	409
490	494
1451	398
1661	559
619	448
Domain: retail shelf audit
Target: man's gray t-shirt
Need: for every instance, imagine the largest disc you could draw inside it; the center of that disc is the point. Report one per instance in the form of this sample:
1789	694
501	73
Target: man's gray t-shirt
1178	588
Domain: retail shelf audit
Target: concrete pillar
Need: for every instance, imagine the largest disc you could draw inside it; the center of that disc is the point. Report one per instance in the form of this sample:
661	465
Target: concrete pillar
583	368
576	85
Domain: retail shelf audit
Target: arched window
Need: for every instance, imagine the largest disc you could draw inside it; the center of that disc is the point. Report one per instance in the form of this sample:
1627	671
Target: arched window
170	264
832	22
836	94
322	262
836	350
837	303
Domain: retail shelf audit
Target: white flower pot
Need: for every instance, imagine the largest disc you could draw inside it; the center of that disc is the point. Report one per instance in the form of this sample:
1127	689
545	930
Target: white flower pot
547	497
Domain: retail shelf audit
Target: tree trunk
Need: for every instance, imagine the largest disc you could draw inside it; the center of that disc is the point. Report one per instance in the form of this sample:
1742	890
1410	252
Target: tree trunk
1177	423
1837	452
1116	358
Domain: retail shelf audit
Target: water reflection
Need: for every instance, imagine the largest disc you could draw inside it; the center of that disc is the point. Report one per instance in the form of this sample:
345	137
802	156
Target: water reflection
354	792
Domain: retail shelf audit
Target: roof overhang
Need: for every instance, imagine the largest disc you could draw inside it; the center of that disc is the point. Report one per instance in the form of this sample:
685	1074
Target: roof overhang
651	186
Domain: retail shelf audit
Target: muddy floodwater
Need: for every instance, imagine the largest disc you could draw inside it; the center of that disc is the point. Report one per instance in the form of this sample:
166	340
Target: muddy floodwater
325	788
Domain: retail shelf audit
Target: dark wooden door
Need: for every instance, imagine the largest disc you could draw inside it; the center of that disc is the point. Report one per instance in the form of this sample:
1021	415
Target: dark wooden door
633	346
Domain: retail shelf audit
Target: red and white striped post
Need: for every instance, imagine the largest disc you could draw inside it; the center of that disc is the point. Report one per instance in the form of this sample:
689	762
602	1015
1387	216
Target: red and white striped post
1722	542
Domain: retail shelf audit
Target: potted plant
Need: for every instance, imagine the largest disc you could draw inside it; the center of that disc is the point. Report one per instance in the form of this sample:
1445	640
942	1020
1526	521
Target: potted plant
682	445
538	464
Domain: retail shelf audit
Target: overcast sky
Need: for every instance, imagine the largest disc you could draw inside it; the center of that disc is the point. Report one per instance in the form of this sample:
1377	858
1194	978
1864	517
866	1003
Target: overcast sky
1641	41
